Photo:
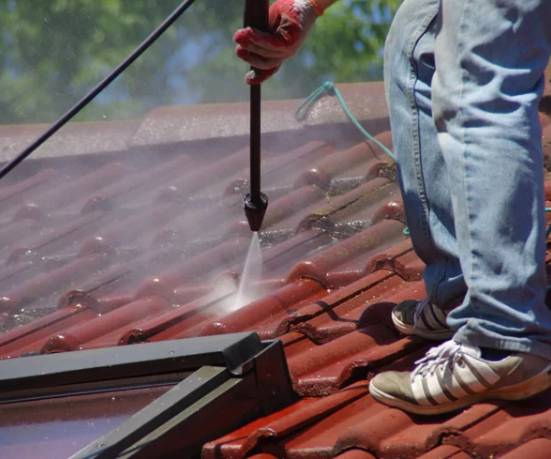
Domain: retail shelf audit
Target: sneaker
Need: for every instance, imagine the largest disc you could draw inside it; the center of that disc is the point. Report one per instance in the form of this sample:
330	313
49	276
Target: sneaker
421	318
452	376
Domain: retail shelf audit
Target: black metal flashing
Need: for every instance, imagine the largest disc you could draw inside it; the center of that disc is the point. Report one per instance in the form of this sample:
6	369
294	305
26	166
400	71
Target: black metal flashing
228	380
130	436
46	375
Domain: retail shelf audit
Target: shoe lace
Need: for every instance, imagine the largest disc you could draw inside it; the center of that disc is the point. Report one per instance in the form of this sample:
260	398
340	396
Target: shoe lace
448	353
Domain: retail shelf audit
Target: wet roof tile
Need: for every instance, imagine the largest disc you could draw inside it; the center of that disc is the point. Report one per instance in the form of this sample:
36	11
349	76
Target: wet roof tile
148	246
534	449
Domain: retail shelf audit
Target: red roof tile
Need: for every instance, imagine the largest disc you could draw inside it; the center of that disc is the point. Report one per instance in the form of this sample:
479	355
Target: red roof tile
534	449
108	251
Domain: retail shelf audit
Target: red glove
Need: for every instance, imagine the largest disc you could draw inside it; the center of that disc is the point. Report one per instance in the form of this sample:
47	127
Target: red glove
290	21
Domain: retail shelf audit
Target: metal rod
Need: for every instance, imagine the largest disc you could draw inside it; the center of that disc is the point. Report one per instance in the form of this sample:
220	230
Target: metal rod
153	36
255	202
255	144
256	15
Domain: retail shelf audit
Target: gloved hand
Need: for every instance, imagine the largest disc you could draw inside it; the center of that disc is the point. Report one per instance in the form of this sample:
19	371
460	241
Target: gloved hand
290	21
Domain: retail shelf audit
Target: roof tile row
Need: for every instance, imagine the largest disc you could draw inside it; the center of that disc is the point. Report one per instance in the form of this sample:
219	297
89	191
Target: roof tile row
153	249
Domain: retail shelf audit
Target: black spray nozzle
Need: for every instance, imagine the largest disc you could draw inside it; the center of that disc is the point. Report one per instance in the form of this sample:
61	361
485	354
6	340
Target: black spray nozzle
255	210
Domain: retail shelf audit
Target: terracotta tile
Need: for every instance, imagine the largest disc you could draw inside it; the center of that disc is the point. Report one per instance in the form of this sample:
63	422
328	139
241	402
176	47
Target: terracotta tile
135	225
219	314
371	426
215	260
545	118
323	171
280	257
445	452
70	192
533	449
427	432
187	328
61	238
17	192
46	282
131	251
321	369
355	454
272	314
546	143
16	232
364	199
344	294
365	243
514	424
30	338
281	424
409	266
79	335
368	307
263	456
204	303
144	180
117	284
360	423
285	170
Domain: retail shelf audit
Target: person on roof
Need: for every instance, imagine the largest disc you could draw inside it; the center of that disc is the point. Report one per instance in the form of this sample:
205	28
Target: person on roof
463	81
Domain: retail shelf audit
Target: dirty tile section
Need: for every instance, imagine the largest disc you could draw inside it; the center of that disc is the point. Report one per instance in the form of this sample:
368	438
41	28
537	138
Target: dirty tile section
154	248
144	246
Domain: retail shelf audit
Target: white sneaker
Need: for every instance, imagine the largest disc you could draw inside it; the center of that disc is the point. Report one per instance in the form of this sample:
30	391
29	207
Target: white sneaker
421	318
454	375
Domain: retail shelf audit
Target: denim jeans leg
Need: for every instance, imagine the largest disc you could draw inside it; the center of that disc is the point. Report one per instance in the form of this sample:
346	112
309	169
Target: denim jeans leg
490	57
409	69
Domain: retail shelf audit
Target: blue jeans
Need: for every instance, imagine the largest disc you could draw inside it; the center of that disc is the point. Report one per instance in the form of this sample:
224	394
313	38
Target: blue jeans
463	82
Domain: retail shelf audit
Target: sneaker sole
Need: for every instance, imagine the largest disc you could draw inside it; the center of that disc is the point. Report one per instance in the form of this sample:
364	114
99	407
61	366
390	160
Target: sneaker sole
410	330
521	391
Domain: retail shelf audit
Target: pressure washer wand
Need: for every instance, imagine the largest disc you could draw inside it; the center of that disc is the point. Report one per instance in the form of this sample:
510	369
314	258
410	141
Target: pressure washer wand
255	202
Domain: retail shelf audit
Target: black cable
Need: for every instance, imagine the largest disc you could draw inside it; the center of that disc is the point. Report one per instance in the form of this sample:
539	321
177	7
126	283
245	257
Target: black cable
56	126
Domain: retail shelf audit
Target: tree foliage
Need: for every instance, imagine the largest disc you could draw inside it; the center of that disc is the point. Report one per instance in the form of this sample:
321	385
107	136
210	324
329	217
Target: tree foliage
52	52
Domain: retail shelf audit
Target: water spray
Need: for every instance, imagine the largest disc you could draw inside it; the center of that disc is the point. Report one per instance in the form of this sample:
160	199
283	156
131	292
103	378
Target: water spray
255	202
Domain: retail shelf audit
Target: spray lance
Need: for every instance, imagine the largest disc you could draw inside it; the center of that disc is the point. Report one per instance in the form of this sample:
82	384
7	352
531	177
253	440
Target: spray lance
255	202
